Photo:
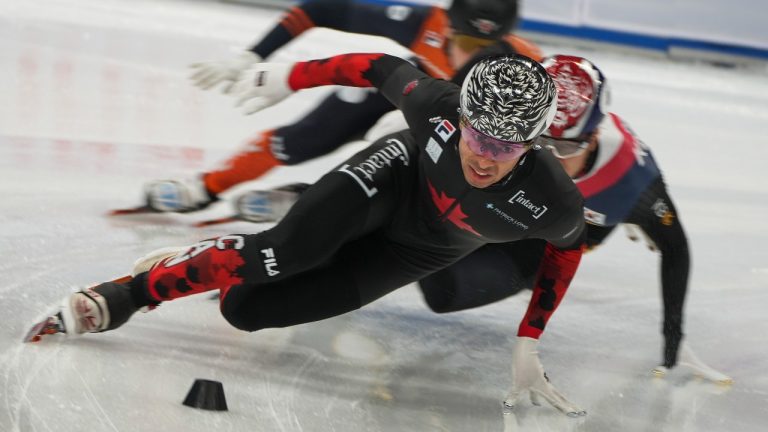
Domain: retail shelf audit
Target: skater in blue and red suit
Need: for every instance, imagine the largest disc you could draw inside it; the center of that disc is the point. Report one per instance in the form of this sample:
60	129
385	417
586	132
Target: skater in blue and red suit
621	183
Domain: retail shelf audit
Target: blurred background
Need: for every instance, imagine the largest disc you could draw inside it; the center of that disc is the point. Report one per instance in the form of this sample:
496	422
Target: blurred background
95	100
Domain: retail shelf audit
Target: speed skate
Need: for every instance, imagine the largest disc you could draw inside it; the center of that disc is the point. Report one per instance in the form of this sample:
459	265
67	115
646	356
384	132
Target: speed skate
60	319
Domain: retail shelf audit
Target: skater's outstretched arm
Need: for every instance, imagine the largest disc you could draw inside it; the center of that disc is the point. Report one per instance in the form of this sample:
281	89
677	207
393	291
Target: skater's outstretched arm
265	84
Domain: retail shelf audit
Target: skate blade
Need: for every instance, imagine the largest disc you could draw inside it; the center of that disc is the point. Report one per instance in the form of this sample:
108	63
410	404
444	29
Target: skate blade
219	221
48	326
702	372
230	219
132	211
715	377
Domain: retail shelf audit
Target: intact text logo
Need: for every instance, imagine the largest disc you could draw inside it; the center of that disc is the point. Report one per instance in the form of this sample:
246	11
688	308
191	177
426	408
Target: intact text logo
537	210
364	171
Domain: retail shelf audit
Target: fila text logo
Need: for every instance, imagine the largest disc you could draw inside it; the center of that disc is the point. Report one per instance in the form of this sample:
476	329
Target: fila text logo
520	198
270	262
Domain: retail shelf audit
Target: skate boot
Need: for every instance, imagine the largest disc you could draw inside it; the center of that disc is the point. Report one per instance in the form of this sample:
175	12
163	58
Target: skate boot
148	261
109	305
268	205
179	196
99	308
104	307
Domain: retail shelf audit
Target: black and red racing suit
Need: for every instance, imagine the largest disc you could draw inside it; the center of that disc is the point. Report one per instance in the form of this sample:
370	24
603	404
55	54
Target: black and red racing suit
392	214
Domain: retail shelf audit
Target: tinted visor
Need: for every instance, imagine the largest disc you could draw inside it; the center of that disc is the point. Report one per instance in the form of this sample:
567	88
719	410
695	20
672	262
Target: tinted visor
470	43
563	148
489	147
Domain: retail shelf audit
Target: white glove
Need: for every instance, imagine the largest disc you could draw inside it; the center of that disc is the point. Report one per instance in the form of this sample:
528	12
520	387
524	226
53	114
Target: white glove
688	359
207	74
263	85
528	374
391	122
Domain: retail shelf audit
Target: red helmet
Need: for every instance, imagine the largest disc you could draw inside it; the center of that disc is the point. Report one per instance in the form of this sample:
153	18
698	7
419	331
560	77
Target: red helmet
582	96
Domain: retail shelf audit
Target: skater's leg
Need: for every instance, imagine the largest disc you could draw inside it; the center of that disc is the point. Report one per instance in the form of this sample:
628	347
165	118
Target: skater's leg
487	275
317	133
329	214
334	211
362	272
252	162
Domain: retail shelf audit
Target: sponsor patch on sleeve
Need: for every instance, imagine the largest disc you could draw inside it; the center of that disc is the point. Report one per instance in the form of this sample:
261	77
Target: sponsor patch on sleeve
594	217
410	86
433	39
445	129
434	150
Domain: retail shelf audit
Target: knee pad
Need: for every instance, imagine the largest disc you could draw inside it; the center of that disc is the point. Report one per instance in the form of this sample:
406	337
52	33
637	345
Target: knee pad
440	298
235	311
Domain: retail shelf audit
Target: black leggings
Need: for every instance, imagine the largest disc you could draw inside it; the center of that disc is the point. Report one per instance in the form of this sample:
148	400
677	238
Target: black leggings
497	271
328	126
333	250
487	275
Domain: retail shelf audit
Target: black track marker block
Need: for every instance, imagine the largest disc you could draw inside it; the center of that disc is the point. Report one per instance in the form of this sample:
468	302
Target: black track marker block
207	395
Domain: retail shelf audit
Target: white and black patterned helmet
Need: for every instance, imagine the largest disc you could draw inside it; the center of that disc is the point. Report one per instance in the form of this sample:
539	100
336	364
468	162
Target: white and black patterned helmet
511	98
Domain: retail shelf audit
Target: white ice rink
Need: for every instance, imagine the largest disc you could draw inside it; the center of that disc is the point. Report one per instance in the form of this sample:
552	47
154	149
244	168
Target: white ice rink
94	101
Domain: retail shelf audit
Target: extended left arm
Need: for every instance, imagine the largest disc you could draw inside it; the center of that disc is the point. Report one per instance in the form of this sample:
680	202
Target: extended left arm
267	83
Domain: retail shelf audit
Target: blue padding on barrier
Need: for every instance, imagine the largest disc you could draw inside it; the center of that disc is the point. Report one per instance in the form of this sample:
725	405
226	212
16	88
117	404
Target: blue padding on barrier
638	40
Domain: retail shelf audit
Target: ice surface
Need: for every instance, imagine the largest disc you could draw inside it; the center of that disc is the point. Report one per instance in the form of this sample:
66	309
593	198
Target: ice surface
94	100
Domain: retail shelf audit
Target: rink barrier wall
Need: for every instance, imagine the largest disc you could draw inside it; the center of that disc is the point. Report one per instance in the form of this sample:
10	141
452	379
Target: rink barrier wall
671	46
577	11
